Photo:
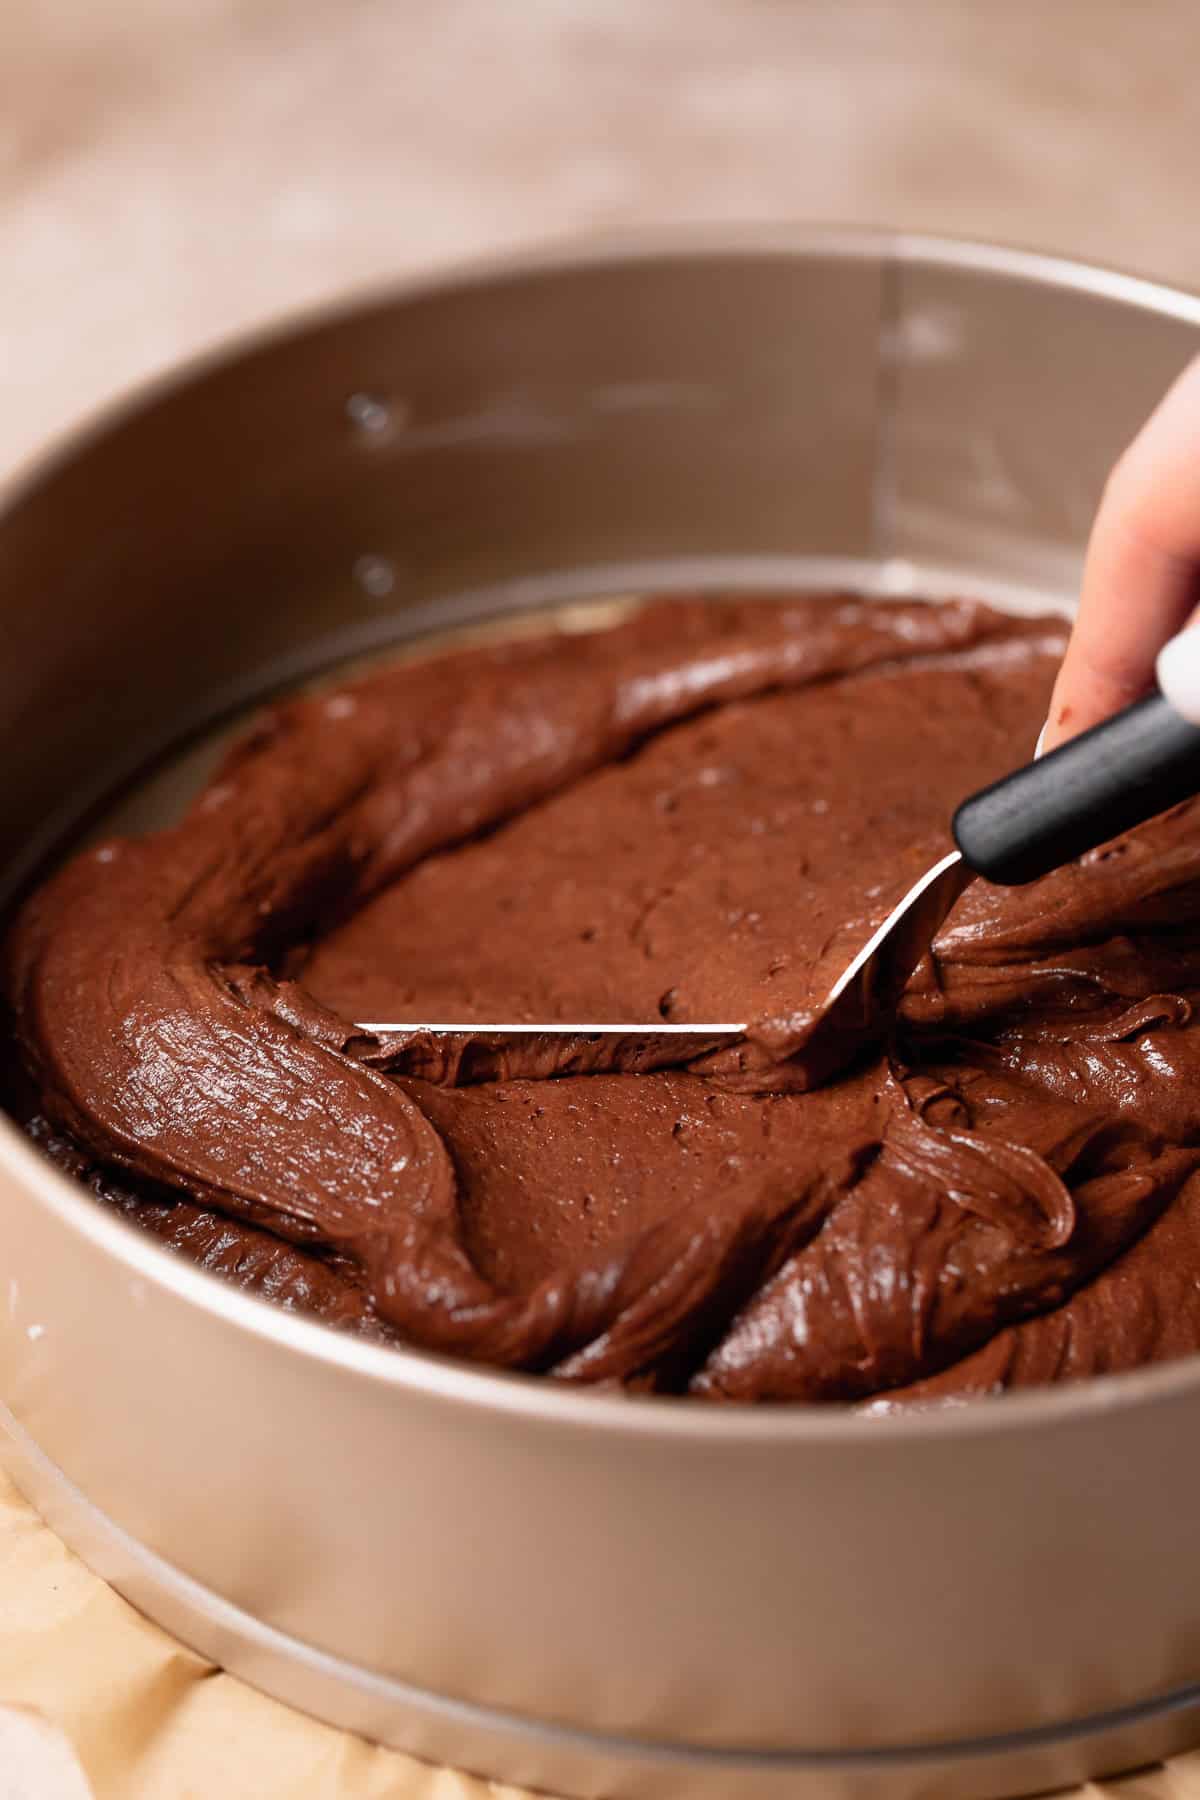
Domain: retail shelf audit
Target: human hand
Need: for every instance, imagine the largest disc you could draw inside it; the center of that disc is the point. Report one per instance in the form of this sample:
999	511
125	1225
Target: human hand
1141	581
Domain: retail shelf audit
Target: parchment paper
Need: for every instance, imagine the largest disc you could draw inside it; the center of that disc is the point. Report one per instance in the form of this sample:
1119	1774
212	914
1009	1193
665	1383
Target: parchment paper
148	1720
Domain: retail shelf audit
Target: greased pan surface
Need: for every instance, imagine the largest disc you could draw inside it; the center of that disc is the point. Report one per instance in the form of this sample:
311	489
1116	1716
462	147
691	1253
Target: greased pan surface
597	1594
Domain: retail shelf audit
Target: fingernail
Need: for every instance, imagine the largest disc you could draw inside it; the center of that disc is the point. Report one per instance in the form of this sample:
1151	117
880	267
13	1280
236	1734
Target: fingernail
1178	672
1040	746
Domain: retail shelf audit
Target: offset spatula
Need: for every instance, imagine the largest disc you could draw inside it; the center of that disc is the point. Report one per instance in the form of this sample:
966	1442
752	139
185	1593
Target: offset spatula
1103	782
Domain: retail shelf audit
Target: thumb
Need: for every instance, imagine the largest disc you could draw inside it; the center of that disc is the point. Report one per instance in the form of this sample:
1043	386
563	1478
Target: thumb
1142	574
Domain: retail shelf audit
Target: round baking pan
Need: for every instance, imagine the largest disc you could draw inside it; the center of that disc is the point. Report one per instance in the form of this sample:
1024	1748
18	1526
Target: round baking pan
596	1595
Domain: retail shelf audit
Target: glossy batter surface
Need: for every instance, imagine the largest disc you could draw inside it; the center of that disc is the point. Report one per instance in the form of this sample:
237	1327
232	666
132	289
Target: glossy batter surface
695	815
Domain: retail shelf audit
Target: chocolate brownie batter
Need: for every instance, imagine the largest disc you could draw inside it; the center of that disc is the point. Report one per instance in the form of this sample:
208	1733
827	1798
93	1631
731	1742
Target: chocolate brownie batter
697	814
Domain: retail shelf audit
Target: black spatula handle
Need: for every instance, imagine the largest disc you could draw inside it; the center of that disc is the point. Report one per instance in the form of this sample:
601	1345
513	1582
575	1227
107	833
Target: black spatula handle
1101	783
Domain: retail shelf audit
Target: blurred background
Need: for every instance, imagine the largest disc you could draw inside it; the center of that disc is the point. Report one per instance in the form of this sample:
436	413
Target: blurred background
173	171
